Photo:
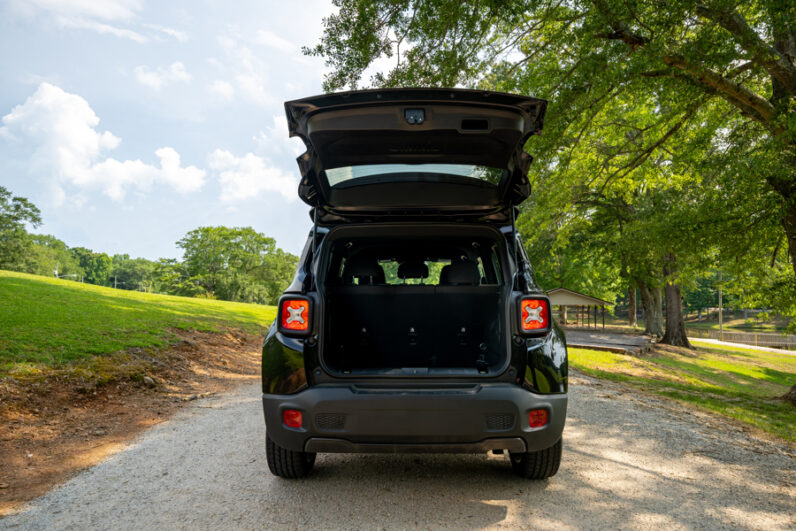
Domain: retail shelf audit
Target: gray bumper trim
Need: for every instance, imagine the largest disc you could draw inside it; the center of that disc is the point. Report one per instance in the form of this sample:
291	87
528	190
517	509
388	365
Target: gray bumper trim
406	417
341	446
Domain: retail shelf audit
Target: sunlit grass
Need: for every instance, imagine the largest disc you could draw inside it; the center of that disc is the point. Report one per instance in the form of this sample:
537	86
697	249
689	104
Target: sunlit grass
49	322
731	324
742	385
739	324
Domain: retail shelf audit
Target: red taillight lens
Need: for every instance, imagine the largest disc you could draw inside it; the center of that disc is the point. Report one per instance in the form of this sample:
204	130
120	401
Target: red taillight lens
292	418
534	314
537	418
295	315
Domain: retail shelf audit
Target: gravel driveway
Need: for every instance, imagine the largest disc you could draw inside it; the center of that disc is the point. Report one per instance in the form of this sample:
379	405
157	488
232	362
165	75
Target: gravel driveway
628	462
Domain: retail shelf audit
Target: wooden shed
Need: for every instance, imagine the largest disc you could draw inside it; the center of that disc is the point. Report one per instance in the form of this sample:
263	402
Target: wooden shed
585	307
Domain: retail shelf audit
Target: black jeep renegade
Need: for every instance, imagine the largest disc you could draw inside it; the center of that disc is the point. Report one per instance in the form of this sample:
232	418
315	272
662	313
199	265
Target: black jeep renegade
413	323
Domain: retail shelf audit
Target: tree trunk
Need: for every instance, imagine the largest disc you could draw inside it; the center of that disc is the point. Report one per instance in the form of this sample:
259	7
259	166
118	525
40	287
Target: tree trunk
563	313
675	324
653	310
631	305
789	224
784	42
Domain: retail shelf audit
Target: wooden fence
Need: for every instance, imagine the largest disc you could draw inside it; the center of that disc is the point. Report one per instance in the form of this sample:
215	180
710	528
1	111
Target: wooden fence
747	338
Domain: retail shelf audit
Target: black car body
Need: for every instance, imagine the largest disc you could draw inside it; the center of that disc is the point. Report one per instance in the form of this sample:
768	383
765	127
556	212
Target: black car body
413	323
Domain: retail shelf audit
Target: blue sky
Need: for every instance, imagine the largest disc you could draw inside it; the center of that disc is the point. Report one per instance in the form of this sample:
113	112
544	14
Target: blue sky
131	122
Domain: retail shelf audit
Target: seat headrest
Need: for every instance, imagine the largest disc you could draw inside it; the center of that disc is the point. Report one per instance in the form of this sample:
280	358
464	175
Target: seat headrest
365	267
412	270
463	273
443	275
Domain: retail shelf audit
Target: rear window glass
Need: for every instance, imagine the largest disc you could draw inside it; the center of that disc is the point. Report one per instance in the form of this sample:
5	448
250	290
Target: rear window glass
356	262
434	271
411	172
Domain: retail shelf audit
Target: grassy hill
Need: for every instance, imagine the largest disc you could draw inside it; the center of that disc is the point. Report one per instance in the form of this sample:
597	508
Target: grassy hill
46	322
741	383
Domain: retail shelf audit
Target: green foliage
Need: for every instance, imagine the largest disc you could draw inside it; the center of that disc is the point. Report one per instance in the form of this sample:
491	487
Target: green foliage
48	322
434	272
237	264
739	384
669	142
131	273
49	256
171	276
96	266
15	213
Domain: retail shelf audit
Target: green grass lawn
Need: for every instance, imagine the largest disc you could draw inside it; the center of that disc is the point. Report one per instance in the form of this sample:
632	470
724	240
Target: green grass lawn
739	383
732	323
738	324
46	322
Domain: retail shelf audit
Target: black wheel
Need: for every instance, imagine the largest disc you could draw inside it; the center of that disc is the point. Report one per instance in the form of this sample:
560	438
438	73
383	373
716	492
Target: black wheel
537	465
287	463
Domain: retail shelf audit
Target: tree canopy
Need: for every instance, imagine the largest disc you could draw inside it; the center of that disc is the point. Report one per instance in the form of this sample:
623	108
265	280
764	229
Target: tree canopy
669	142
15	214
237	263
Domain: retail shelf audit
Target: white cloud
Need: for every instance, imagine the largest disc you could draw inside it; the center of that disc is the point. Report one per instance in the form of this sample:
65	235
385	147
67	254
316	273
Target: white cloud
156	79
248	176
273	40
106	17
253	87
184	180
102	16
276	139
249	72
171	32
69	150
103	29
288	48
94	9
223	89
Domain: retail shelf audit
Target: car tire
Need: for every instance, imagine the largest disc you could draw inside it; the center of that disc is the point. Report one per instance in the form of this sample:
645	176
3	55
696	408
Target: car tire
287	463
537	465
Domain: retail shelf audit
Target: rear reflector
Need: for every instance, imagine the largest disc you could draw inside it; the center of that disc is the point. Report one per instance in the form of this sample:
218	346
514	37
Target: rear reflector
537	418
295	315
292	418
534	314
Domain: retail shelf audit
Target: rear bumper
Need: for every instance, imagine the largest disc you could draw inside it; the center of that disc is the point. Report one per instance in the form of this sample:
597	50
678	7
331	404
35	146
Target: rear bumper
449	419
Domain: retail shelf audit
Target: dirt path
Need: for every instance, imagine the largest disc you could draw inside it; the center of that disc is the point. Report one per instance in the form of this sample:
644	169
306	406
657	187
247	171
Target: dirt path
628	462
54	427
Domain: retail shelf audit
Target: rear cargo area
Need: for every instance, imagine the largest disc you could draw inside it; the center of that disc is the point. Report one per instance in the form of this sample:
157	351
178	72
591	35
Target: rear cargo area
425	304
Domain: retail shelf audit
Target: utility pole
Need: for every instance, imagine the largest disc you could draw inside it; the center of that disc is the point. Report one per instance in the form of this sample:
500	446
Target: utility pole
721	315
114	281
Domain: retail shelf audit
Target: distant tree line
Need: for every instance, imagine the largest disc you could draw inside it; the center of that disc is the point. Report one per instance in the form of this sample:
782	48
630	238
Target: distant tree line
233	264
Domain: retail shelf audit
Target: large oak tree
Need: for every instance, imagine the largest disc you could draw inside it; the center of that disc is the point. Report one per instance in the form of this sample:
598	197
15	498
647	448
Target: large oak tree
582	53
679	91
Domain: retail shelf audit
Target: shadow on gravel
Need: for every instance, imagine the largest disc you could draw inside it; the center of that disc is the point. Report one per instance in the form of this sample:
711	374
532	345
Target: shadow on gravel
628	463
410	490
624	465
